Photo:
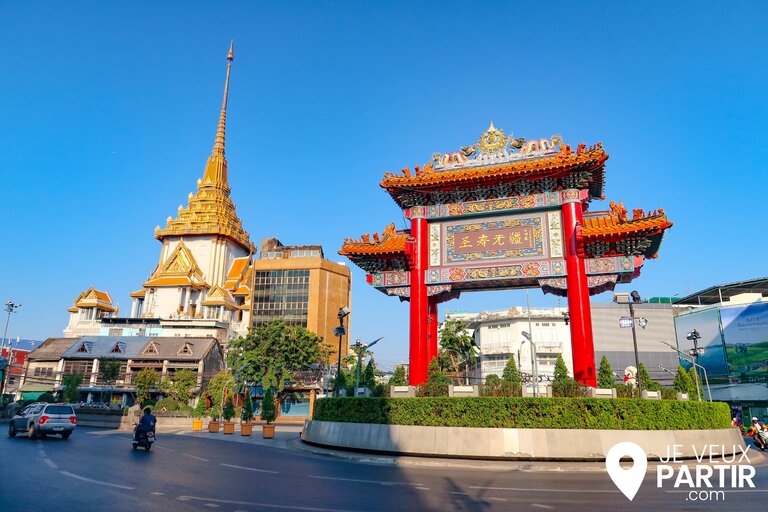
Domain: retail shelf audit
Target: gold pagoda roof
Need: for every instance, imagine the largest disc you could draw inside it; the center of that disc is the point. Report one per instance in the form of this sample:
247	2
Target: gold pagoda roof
210	211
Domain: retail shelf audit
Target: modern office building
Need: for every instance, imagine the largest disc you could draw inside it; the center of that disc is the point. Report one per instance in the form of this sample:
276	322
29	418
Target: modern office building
731	322
295	283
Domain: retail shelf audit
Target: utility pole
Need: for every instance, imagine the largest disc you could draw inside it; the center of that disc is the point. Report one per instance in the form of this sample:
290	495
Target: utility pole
10	307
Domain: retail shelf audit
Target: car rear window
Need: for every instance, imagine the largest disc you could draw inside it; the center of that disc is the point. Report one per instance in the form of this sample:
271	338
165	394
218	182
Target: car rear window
59	409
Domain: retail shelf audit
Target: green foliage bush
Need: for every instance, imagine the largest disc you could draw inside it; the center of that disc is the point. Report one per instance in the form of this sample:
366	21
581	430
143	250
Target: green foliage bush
437	383
167	404
268	410
148	403
46	397
229	410
513	412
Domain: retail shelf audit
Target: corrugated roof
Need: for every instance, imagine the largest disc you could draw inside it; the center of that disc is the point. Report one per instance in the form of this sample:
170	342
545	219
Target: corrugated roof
51	349
173	348
103	346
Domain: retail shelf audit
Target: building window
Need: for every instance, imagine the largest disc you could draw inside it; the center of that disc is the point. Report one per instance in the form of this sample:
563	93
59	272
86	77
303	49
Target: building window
271	255
115	331
281	295
303	253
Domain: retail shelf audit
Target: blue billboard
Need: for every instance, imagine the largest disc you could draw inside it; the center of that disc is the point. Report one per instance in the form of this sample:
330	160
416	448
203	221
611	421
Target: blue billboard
745	333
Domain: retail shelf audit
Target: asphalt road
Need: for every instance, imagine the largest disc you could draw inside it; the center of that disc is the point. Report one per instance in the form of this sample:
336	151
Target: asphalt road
98	470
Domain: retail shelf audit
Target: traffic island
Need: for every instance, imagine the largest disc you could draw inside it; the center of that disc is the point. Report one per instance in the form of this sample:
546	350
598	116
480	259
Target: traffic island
515	428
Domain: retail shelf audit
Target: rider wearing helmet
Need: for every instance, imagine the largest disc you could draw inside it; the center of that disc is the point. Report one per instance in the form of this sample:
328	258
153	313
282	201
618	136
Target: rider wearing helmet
146	423
754	430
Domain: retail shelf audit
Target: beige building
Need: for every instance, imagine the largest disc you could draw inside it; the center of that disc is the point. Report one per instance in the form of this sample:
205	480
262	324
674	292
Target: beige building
297	284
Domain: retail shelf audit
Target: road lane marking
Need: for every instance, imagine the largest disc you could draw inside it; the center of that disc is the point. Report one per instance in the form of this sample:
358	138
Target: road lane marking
264	505
250	469
155	493
594	491
164	448
118	486
50	462
360	481
195	457
460	493
498	499
212	505
539	505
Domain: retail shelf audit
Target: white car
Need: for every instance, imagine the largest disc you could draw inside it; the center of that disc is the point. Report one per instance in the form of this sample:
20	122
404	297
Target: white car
40	419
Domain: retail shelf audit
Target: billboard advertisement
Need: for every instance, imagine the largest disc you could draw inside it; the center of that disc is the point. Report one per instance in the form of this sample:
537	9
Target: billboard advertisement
707	322
745	330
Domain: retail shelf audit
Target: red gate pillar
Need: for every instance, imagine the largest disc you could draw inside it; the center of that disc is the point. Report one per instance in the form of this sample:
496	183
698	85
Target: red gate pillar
432	340
582	345
419	303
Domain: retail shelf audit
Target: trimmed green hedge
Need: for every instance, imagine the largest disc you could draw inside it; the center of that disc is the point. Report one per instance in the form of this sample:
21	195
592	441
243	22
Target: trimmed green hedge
515	412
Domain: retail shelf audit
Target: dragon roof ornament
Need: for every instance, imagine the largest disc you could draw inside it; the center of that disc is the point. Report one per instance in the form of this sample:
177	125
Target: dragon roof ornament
494	147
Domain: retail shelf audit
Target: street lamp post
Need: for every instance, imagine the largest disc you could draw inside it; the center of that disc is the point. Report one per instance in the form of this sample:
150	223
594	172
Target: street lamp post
534	366
360	348
340	332
10	307
694	336
633	299
695	364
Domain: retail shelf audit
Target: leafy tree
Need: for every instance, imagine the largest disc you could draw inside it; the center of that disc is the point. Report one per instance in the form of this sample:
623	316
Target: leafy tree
340	381
493	385
561	370
72	387
200	409
437	383
369	375
645	381
682	382
605	377
399	378
562	383
268	407
511	375
229	410
246	413
216	386
146	380
109	370
457	346
272	353
180	388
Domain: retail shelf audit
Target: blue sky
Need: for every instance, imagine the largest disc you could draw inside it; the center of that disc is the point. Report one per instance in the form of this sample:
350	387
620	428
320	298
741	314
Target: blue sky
109	113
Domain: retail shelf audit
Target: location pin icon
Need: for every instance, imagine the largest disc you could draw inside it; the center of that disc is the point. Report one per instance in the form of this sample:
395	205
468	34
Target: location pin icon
627	480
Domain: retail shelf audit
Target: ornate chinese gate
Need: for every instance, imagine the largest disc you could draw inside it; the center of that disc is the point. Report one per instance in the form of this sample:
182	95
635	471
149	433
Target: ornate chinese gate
506	213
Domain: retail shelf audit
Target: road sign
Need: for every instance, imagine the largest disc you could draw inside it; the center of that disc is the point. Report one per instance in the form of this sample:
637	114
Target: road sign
625	322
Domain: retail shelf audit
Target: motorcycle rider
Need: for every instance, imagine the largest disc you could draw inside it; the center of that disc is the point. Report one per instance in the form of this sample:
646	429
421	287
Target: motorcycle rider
754	432
146	423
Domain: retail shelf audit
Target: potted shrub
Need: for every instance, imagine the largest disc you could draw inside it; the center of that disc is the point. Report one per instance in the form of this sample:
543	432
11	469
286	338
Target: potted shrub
246	415
228	412
197	414
213	425
268	415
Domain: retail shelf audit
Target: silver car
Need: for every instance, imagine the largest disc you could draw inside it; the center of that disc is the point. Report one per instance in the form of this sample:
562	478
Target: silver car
40	419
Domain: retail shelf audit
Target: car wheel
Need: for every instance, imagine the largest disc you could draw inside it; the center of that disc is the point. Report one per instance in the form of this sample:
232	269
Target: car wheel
66	435
31	431
135	446
148	447
11	430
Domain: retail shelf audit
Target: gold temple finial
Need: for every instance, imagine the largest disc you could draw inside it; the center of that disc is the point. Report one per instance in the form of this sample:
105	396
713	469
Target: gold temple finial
491	127
218	146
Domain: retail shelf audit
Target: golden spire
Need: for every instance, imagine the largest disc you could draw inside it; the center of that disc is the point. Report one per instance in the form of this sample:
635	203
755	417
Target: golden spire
216	168
211	211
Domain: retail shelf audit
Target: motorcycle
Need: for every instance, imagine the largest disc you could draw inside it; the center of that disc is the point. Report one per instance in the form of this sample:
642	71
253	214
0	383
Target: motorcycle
143	439
763	435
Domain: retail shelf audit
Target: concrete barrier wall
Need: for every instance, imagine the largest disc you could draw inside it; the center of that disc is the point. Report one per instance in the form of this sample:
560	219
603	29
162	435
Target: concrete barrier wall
513	443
